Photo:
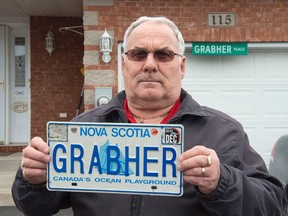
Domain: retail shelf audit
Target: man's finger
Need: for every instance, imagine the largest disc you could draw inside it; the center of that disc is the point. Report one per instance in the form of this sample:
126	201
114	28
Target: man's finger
197	150
34	154
39	144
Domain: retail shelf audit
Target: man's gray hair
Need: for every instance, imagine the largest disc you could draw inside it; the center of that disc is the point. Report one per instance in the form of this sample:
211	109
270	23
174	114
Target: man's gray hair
172	25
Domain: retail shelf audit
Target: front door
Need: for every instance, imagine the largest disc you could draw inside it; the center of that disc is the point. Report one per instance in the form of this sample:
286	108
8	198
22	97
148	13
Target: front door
14	92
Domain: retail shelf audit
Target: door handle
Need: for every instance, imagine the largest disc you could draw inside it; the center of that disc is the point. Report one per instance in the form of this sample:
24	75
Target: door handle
2	84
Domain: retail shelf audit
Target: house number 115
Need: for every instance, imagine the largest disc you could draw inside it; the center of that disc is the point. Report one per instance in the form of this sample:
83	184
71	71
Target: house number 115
221	19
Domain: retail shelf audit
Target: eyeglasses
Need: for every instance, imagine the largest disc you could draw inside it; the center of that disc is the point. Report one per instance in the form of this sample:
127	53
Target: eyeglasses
140	55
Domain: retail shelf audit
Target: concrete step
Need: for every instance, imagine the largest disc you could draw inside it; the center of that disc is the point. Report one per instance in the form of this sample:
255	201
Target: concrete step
10	163
6	197
6	179
8	167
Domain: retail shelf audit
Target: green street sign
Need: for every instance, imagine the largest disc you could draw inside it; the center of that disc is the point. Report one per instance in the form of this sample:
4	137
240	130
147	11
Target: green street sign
219	48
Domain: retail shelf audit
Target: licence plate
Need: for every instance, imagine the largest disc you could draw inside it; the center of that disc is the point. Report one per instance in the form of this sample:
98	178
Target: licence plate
115	158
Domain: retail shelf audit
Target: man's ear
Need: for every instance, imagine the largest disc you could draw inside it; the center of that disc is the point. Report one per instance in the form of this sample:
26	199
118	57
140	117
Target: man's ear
123	62
183	67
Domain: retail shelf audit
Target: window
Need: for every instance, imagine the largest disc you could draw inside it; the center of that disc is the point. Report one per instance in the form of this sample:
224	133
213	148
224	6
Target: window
20	54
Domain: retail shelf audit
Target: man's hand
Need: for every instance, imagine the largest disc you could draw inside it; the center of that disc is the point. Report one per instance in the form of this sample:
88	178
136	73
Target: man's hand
201	167
34	161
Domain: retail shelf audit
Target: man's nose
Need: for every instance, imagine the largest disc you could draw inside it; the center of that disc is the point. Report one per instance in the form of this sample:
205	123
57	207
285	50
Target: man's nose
150	57
150	63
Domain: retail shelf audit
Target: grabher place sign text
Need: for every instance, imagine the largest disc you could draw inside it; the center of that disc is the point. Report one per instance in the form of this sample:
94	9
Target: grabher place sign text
219	48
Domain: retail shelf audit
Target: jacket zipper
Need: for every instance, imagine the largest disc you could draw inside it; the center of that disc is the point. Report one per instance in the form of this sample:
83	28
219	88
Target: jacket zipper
135	205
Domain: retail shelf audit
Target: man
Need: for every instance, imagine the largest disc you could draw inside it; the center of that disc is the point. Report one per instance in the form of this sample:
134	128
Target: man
223	175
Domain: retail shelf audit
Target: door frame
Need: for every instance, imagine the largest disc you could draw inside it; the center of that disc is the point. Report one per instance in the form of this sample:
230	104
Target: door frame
5	88
13	22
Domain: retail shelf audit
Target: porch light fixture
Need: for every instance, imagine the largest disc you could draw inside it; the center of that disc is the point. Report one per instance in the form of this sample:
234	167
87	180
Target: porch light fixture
50	42
106	43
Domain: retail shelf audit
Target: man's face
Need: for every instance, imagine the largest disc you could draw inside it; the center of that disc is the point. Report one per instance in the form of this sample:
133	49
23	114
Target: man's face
149	80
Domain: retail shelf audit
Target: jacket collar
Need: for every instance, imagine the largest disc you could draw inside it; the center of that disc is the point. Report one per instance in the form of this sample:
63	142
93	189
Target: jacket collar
188	105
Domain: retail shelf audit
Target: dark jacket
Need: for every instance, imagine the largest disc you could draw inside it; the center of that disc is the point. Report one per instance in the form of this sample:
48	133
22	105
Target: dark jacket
245	188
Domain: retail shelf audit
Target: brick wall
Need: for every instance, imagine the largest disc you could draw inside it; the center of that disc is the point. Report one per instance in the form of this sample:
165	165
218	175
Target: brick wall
56	81
256	21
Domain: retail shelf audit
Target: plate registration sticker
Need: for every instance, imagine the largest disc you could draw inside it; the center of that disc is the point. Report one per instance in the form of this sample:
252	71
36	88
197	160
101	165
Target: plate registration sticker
115	158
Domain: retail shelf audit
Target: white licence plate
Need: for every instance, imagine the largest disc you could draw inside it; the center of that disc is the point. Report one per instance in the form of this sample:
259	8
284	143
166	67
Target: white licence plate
115	158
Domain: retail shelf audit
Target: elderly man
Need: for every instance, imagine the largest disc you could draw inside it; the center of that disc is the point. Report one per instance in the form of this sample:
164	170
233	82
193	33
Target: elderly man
222	174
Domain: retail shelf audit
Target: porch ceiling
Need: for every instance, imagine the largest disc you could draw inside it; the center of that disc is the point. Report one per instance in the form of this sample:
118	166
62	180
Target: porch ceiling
57	8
